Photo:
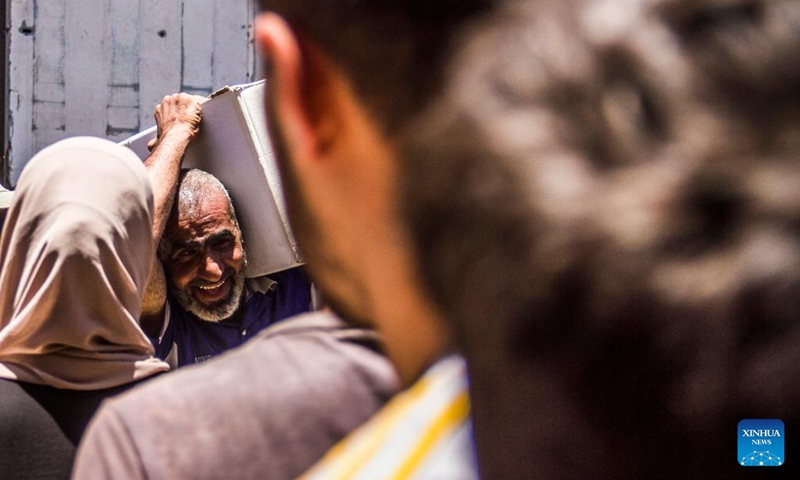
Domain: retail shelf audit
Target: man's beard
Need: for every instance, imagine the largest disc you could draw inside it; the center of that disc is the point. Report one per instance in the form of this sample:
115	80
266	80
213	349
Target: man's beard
218	311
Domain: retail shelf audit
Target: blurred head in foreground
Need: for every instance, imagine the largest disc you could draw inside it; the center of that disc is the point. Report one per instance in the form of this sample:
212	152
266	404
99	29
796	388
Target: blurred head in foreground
600	198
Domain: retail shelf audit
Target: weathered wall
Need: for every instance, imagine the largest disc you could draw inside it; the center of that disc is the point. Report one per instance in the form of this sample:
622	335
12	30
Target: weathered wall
99	67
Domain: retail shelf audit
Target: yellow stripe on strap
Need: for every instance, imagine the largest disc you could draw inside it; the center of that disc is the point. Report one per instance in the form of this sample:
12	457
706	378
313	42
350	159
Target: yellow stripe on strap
395	410
455	413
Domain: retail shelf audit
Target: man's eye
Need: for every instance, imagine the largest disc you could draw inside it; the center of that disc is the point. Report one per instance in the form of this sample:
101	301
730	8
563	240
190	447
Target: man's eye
226	244
182	256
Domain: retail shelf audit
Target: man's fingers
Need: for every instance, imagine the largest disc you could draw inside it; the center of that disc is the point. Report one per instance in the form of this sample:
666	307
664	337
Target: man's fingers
178	112
183	98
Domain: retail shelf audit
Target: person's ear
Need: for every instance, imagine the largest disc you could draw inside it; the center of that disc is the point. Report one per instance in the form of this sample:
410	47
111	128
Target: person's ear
299	82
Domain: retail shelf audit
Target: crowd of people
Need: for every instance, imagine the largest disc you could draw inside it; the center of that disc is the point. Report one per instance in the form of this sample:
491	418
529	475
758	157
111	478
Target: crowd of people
551	238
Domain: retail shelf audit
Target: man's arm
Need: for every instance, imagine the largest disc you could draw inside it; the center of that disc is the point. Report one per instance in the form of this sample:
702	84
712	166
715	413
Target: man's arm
178	120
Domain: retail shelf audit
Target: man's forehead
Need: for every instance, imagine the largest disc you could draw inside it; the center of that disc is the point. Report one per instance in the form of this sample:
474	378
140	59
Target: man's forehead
197	230
207	217
193	201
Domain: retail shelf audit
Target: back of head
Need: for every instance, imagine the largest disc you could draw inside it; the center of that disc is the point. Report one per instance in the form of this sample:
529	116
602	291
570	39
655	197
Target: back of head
605	205
75	256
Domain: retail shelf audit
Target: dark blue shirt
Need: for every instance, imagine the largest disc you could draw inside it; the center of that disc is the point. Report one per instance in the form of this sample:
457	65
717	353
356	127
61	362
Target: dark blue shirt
189	339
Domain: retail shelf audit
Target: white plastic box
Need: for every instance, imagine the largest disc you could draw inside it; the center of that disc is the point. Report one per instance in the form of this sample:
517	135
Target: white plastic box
233	145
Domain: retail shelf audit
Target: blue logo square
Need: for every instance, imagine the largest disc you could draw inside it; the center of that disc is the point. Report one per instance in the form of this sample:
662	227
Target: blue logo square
761	443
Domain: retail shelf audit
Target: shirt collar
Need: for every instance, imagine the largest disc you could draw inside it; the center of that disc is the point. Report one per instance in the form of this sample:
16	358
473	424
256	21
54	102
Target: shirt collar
261	285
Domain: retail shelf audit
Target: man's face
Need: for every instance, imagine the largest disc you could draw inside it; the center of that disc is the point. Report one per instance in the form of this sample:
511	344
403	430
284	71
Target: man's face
205	265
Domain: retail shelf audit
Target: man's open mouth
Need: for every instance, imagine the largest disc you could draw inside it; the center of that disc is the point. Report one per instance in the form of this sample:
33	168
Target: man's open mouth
213	292
211	286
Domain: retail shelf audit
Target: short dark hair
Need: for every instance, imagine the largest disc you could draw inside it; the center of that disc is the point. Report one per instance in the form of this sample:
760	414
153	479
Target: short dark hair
393	51
605	205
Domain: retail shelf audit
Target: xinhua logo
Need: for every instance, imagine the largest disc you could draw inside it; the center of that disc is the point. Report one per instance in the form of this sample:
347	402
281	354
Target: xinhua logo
761	443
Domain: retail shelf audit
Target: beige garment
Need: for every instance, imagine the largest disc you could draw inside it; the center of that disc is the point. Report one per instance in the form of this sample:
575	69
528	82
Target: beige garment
75	255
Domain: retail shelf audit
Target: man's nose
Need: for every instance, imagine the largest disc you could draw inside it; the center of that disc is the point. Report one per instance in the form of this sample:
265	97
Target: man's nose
212	267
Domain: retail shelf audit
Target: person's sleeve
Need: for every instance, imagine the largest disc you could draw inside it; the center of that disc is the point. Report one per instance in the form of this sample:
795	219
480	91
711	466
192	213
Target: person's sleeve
107	450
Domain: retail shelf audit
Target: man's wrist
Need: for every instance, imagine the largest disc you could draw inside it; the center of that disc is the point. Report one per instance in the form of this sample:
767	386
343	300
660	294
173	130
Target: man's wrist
180	132
175	138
